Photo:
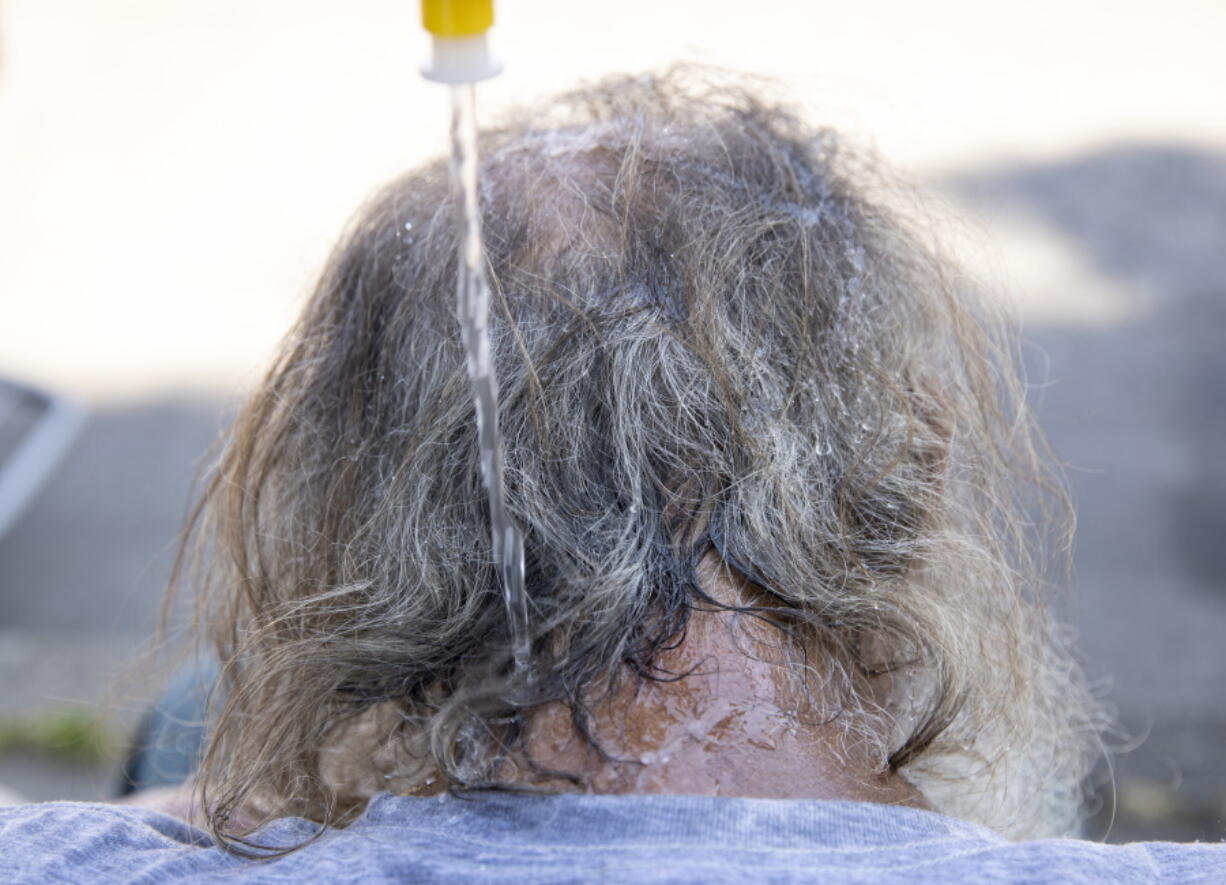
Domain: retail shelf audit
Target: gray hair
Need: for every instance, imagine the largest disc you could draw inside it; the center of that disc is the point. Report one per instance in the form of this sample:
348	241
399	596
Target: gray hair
715	330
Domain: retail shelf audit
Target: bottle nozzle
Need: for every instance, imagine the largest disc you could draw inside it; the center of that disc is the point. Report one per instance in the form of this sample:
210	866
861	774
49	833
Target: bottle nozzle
459	37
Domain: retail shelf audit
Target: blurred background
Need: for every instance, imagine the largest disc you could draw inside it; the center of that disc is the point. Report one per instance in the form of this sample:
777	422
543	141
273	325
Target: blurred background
173	174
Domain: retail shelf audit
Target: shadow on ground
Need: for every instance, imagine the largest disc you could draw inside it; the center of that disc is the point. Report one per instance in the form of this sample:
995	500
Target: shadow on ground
83	574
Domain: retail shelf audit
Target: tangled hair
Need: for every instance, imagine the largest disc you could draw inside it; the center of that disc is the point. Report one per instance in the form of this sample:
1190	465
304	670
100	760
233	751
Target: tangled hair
715	329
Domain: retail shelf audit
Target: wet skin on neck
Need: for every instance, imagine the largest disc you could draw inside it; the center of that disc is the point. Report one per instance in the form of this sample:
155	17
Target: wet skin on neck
738	724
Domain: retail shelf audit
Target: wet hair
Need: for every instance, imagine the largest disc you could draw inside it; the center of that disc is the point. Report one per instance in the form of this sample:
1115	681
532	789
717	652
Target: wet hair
717	330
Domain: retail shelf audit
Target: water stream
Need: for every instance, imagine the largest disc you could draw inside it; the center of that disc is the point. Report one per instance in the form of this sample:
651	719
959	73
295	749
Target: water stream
473	308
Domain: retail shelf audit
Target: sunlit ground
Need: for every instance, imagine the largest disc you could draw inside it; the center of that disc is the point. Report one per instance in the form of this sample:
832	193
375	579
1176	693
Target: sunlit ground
172	175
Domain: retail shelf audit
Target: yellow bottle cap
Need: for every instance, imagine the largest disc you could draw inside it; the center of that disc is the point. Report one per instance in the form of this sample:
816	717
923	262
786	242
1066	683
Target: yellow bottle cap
457	18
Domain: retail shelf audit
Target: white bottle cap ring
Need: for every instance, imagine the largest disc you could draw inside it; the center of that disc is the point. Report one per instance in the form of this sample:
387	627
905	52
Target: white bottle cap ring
459	60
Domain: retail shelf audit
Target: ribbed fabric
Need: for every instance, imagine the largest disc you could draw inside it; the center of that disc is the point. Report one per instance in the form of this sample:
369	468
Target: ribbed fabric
513	838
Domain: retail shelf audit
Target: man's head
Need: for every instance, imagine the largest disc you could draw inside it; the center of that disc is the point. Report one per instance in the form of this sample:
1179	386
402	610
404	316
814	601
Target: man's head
718	341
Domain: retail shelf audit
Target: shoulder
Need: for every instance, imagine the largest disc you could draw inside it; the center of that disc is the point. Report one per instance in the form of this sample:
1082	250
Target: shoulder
925	846
656	839
79	841
1075	861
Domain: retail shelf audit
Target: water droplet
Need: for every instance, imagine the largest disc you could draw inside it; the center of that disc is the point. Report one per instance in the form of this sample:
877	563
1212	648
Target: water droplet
408	225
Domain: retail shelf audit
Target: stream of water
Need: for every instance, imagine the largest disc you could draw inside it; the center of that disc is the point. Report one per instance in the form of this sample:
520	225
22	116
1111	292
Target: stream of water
473	308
